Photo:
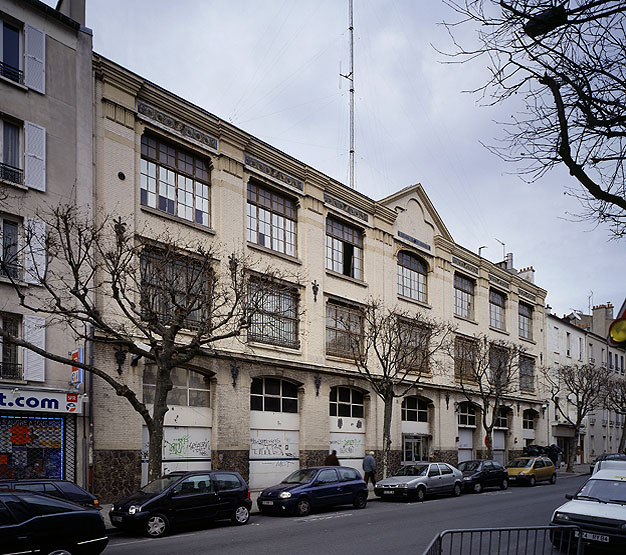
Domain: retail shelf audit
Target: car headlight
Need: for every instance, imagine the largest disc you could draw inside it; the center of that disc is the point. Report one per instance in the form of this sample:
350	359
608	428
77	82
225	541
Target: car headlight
285	495
467	478
561	516
134	509
403	485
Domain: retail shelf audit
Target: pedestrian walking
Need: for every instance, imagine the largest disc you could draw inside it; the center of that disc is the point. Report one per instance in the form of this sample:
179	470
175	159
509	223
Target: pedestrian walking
331	459
369	468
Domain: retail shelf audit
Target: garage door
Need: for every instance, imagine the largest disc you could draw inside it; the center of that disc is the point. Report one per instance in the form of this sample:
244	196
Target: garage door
466	444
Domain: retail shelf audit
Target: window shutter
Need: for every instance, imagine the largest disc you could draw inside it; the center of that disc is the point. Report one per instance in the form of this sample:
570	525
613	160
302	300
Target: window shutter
35	59
35	156
34	251
35	333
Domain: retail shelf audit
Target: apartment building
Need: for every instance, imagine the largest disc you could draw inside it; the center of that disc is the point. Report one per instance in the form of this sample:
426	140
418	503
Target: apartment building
45	160
285	394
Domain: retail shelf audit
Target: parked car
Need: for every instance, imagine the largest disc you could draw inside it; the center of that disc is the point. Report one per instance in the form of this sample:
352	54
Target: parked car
57	488
311	488
481	474
607	457
184	497
31	522
598	509
415	482
530	470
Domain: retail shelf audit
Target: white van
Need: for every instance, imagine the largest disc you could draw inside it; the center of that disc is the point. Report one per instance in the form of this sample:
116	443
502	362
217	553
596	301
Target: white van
609	465
598	509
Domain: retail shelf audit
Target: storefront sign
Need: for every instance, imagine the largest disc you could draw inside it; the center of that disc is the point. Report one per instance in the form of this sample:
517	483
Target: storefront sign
77	373
40	401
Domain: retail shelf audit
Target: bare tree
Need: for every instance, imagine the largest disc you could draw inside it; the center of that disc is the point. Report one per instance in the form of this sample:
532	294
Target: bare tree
576	390
393	350
169	300
487	371
563	60
616	401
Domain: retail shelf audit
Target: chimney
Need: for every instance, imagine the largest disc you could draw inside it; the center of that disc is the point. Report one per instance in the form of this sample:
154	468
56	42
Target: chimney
548	309
74	9
528	274
602	316
508	260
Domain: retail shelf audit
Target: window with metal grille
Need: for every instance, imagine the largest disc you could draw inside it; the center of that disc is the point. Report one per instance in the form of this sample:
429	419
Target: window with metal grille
497	302
526	321
463	296
10	260
10	154
344	329
175	181
502	420
274	314
414	410
175	288
346	402
467	414
415	339
273	395
271	220
464	359
11	368
412	272
190	389
10	59
526	373
344	249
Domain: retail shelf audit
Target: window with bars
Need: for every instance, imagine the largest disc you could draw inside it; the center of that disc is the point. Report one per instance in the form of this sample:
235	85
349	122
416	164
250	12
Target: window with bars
464	296
344	249
175	181
502	418
10	61
526	373
528	419
271	220
11	152
412	272
497	303
464	359
499	366
526	321
11	368
273	395
274	314
346	402
466	414
415	338
414	410
344	327
10	262
191	389
174	287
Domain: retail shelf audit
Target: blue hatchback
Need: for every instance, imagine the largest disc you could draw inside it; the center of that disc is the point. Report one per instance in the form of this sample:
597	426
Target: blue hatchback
310	488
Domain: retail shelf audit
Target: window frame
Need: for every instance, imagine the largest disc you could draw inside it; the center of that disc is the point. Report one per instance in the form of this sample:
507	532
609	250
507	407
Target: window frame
15	369
497	309
466	412
525	321
527	362
335	325
10	72
12	173
356	409
339	258
412	272
188	387
420	410
284	400
528	419
501	417
464	294
470	346
13	269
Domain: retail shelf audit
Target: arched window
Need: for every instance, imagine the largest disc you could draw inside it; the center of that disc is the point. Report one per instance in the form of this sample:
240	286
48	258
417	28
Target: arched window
412	277
273	395
502	418
414	410
346	402
467	414
528	419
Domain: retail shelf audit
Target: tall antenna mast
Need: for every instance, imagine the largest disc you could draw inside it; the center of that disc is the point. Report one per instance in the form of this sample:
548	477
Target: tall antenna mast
351	77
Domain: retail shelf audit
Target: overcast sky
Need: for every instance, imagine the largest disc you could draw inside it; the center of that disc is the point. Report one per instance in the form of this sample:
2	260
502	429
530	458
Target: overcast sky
271	67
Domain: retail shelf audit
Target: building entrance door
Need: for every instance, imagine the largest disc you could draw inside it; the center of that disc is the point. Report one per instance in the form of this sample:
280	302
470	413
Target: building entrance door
416	449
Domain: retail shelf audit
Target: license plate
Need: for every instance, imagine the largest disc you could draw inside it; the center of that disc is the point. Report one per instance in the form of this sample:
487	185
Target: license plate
116	519
388	492
594	537
267	502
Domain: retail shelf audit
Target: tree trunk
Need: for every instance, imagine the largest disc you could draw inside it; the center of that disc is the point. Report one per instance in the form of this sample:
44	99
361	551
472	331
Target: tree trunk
388	400
572	447
622	441
155	430
489	443
155	451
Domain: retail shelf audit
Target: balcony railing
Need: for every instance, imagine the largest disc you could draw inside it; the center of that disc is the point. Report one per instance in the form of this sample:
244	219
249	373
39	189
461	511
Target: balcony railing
10	270
11	371
11	73
12	174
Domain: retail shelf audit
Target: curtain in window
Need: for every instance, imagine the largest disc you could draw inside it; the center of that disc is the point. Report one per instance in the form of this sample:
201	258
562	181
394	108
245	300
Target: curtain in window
11	145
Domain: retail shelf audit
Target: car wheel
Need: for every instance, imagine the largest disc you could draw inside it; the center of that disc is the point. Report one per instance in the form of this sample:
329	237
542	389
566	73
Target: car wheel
360	501
157	526
504	484
241	515
478	487
553	478
532	481
420	494
59	552
456	491
303	508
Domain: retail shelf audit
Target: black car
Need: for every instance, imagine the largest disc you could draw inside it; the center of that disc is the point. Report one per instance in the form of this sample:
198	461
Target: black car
481	474
57	488
35	523
309	488
184	497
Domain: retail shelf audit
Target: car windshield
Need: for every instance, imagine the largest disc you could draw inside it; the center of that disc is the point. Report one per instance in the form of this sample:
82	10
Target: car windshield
468	466
607	491
417	470
160	484
300	477
520	463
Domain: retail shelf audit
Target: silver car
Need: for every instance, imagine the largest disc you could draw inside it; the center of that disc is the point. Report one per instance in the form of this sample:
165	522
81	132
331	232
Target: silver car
417	481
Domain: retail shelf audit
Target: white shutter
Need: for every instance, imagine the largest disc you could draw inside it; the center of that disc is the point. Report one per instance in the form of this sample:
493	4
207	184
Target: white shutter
34	250
35	333
35	59
35	156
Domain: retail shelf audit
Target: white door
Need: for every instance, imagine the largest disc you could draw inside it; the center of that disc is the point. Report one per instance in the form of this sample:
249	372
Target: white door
466	444
499	446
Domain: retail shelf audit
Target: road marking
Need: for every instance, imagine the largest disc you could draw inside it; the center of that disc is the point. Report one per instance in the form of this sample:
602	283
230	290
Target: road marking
315	518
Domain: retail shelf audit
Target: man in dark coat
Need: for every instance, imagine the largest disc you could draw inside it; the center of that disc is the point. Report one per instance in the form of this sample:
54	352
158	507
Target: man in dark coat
331	459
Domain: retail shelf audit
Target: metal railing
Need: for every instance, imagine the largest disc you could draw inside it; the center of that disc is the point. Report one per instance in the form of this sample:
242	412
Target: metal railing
11	73
535	540
11	371
11	174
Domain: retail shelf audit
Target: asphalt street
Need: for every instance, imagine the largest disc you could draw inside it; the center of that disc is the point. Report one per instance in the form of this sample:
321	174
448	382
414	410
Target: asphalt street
391	527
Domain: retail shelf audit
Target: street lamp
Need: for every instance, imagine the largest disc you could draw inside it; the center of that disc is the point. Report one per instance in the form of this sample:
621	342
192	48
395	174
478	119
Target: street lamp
545	21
